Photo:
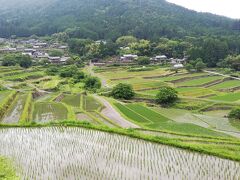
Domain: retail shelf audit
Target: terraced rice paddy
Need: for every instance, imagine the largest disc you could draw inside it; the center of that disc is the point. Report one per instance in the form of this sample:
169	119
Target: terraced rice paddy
154	120
91	104
226	85
14	112
229	97
200	81
49	85
72	100
48	111
75	153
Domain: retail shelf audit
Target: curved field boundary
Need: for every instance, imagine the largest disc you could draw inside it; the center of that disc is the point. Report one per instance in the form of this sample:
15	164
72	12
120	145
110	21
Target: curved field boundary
111	113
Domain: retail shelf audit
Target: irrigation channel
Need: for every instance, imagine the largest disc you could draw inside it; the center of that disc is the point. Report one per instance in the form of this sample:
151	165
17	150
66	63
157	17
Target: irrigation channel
77	153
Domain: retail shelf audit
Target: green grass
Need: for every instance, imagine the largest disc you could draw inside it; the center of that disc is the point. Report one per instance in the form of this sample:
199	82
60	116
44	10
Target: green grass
230	97
51	84
194	91
226	85
177	77
201	81
24	76
49	111
72	100
153	116
160	122
131	114
7	172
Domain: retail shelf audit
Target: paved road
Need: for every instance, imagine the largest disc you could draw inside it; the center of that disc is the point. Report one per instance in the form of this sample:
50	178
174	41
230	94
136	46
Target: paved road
115	116
224	75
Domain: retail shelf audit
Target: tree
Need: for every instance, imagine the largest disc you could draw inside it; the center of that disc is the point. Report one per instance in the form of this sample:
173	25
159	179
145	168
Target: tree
189	67
9	60
166	95
68	71
200	66
124	41
143	60
92	83
52	71
78	76
56	53
123	91
25	61
235	114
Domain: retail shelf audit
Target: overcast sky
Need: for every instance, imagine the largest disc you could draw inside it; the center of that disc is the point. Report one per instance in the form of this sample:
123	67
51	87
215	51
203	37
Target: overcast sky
230	8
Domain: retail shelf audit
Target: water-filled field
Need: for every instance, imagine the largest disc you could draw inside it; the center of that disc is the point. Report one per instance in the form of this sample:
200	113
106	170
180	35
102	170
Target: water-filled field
76	153
48	111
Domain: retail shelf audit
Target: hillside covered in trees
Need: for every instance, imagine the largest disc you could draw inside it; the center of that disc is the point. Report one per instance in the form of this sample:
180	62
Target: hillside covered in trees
107	19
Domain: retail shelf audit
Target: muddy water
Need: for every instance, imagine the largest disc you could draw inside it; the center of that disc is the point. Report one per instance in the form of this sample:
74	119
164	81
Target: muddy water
76	153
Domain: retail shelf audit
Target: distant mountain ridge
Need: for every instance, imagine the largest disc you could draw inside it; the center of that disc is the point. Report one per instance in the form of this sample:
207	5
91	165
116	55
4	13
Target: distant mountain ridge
107	19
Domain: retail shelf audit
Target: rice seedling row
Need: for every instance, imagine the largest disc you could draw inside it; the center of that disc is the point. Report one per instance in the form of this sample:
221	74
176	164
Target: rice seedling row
91	104
201	81
72	100
49	111
151	119
76	153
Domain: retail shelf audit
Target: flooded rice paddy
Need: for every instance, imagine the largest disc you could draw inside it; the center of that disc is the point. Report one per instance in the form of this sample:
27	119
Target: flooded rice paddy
76	153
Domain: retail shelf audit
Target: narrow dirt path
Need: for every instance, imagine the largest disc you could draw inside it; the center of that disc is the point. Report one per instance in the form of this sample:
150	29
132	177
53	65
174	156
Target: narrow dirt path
112	114
91	72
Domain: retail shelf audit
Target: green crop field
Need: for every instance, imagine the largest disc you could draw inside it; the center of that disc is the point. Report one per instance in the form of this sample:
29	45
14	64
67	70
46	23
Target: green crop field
229	97
90	104
49	85
226	85
143	116
199	82
72	100
48	111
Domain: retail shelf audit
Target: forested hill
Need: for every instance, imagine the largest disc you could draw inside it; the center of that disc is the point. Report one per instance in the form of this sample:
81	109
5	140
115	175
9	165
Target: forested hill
107	19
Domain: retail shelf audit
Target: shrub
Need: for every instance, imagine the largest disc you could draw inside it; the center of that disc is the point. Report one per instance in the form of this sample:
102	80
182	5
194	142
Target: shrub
69	71
166	95
92	83
123	91
143	60
234	114
78	77
25	61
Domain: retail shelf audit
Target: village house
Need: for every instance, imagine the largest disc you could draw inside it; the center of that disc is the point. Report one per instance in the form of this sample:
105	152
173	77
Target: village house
41	44
128	58
162	59
178	61
9	50
58	60
178	66
98	42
